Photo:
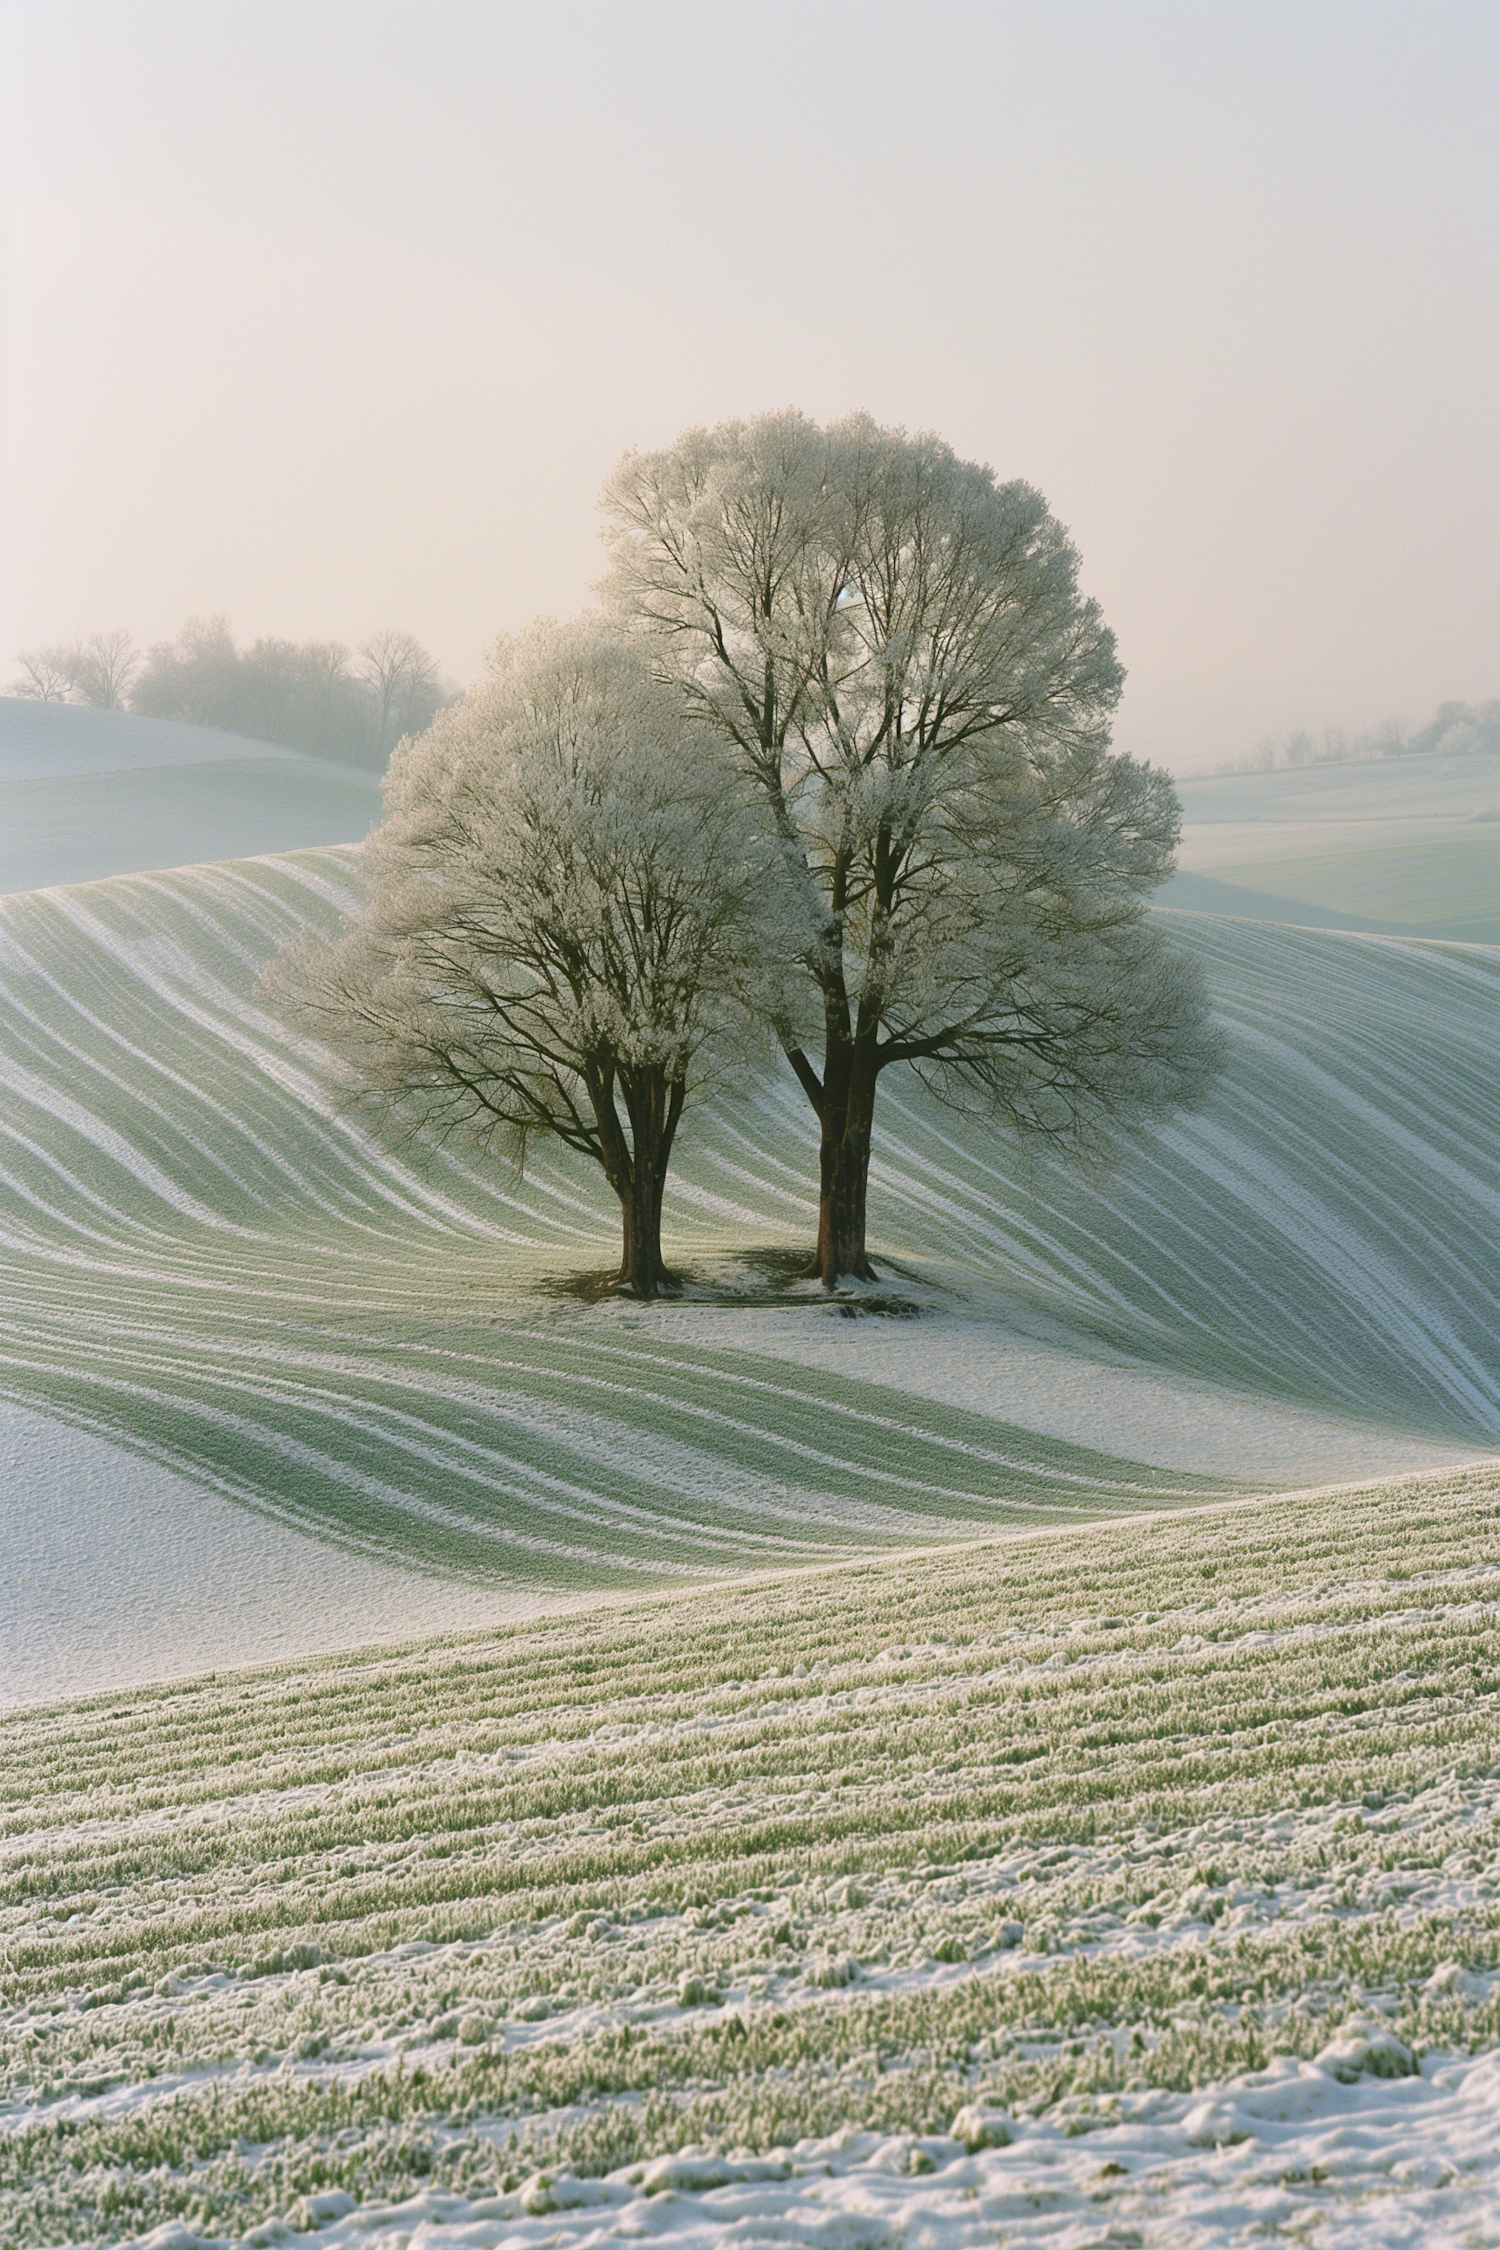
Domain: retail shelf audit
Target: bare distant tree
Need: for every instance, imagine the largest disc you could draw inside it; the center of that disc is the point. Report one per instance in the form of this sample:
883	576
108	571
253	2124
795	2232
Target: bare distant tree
325	666
302	693
269	691
402	681
567	907
104	666
46	674
334	700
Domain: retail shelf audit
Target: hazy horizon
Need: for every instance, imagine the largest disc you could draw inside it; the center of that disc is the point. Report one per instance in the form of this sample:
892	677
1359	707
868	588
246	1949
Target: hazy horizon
338	318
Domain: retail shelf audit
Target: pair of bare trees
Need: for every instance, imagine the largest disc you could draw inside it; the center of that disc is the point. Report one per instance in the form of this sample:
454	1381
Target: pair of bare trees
833	768
99	671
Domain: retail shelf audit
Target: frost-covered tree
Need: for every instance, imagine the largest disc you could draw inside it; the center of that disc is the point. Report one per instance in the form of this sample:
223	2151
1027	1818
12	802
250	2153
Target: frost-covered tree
894	646
567	906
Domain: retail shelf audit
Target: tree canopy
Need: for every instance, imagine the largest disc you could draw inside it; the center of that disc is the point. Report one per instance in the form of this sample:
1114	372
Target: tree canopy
569	922
893	646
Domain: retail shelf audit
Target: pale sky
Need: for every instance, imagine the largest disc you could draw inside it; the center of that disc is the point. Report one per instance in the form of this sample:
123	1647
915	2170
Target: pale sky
335	314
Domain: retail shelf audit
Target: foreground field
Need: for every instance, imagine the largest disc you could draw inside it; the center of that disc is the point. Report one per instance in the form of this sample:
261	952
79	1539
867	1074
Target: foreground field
1163	1850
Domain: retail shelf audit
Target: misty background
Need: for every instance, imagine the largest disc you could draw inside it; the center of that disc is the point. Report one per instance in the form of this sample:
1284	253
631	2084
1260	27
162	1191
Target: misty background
328	318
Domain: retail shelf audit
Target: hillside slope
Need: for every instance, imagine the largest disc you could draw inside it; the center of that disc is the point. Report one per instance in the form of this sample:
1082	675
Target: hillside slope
1408	845
206	1266
1171	1846
86	794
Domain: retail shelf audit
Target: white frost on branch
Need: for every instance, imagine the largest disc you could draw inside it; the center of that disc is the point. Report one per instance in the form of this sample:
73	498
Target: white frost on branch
895	647
572	922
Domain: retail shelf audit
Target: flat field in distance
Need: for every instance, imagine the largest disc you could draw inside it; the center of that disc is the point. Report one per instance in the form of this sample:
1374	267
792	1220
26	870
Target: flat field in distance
1106	1885
1409	845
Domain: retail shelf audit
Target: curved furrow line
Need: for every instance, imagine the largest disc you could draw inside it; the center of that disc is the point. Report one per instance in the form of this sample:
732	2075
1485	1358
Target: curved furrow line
195	1013
206	1259
192	999
1381	1300
1380	1203
362	1490
658	1421
709	1375
244	1414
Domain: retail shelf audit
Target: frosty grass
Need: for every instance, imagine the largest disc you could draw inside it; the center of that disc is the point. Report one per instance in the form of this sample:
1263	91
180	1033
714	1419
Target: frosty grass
1120	1885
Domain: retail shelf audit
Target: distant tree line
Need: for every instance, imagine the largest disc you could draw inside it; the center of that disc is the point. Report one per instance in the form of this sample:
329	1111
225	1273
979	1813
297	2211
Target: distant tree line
350	705
1455	727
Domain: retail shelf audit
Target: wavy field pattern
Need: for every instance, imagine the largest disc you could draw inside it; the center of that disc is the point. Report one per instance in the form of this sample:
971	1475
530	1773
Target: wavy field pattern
1327	1228
205	1264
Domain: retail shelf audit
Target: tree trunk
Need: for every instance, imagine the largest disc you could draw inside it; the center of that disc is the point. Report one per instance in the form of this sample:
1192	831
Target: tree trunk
844	1164
642	1272
638	1172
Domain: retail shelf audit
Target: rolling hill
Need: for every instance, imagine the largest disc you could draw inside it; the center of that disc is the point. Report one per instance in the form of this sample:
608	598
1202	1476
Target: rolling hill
213	1275
1031	1869
1409	845
87	793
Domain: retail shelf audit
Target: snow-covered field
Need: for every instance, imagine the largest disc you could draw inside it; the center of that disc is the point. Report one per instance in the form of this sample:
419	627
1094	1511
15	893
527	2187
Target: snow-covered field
1406	844
1103	1852
87	793
1133	1883
215	1284
116	1570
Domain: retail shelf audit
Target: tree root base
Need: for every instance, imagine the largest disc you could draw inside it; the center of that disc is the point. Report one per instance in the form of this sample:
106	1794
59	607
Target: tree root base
813	1271
669	1285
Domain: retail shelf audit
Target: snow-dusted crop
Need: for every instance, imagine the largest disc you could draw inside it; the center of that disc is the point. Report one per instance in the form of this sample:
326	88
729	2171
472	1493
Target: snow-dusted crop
1149	1867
